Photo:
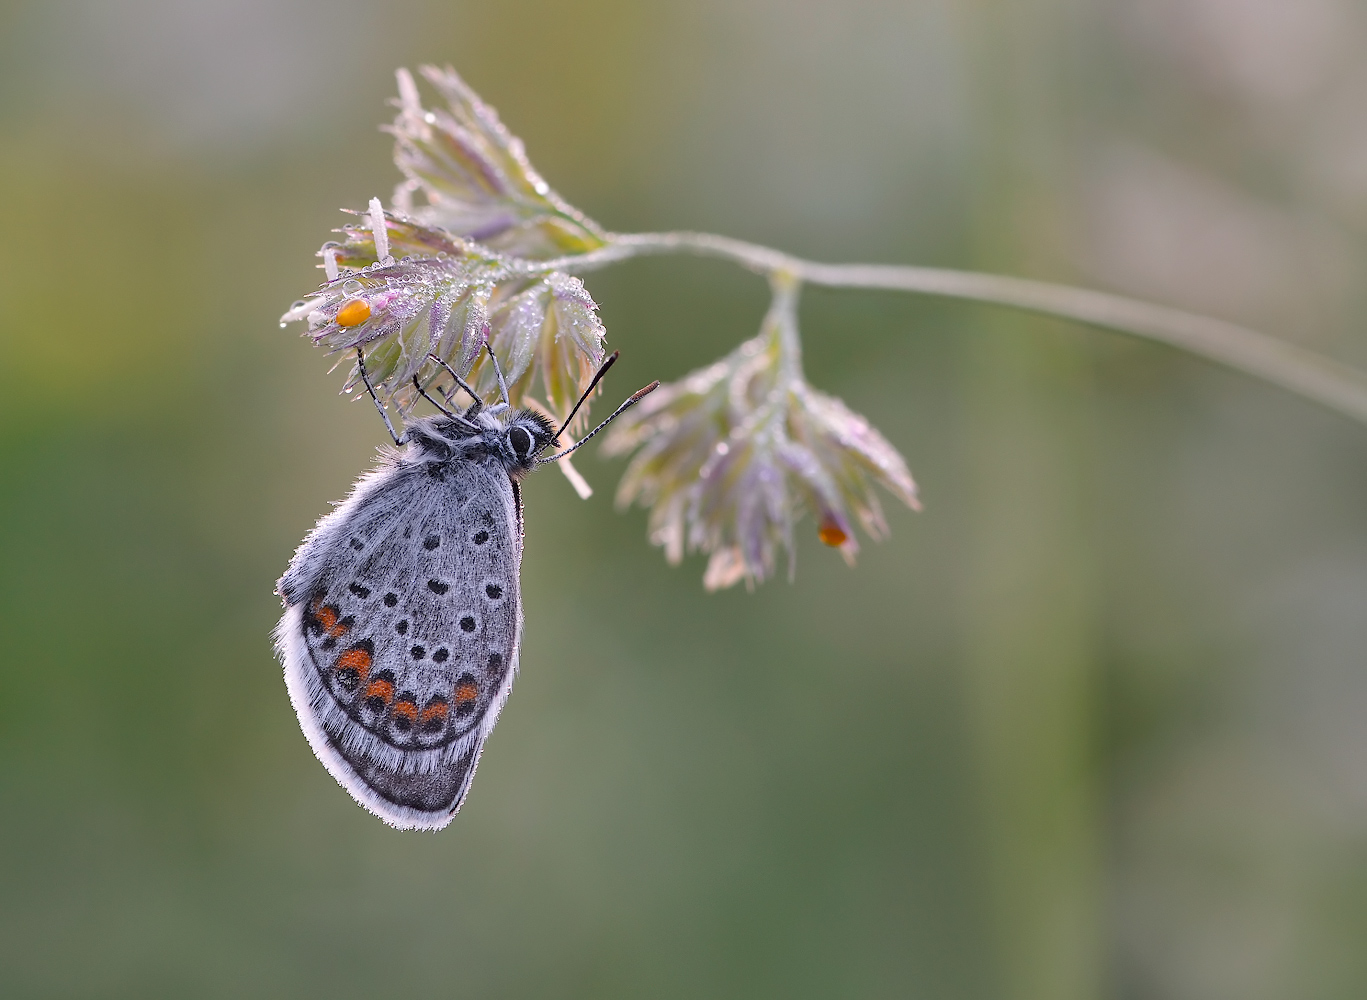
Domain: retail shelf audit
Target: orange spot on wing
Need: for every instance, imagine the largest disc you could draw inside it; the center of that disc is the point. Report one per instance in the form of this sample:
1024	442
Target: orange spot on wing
355	659
406	709
327	617
435	710
381	689
466	693
354	313
831	533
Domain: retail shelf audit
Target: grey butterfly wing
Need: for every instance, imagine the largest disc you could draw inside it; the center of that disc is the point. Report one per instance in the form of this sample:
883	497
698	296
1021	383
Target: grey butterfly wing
400	640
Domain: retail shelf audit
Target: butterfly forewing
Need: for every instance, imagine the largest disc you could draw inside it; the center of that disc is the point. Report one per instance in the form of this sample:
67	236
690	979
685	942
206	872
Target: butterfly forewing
401	637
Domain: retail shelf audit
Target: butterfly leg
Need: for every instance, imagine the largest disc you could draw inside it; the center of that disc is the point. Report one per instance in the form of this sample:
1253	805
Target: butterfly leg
502	385
478	403
517	506
360	367
423	392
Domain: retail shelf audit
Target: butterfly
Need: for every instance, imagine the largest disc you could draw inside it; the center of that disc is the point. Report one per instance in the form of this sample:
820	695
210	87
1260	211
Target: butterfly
403	607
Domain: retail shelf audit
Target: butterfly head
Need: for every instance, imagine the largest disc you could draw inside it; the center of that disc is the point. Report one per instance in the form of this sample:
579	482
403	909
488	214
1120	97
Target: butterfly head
512	437
523	436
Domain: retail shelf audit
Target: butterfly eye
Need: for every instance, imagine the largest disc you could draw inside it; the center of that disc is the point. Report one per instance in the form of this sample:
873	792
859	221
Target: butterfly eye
520	440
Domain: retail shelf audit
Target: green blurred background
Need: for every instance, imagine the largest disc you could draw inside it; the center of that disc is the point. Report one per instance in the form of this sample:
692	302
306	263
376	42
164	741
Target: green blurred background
1092	725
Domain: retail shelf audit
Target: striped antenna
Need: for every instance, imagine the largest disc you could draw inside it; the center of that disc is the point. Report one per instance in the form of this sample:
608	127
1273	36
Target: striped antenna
635	398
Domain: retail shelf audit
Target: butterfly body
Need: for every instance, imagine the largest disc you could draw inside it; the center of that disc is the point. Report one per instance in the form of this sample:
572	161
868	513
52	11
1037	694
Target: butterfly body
403	614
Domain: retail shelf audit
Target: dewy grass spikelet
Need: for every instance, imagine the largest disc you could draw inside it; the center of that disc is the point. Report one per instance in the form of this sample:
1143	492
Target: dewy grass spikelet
475	178
729	458
448	297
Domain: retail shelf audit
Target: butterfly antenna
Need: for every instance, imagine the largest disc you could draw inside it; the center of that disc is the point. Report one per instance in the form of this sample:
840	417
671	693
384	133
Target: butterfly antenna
478	403
384	415
597	377
632	401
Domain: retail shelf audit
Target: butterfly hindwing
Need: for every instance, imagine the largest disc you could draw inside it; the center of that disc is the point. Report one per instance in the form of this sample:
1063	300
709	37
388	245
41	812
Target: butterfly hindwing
401	634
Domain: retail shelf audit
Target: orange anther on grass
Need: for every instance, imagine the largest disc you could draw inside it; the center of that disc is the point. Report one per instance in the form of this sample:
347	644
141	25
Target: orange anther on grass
832	534
354	313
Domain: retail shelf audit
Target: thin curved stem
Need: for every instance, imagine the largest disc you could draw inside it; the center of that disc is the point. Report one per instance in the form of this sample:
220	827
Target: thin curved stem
1306	373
